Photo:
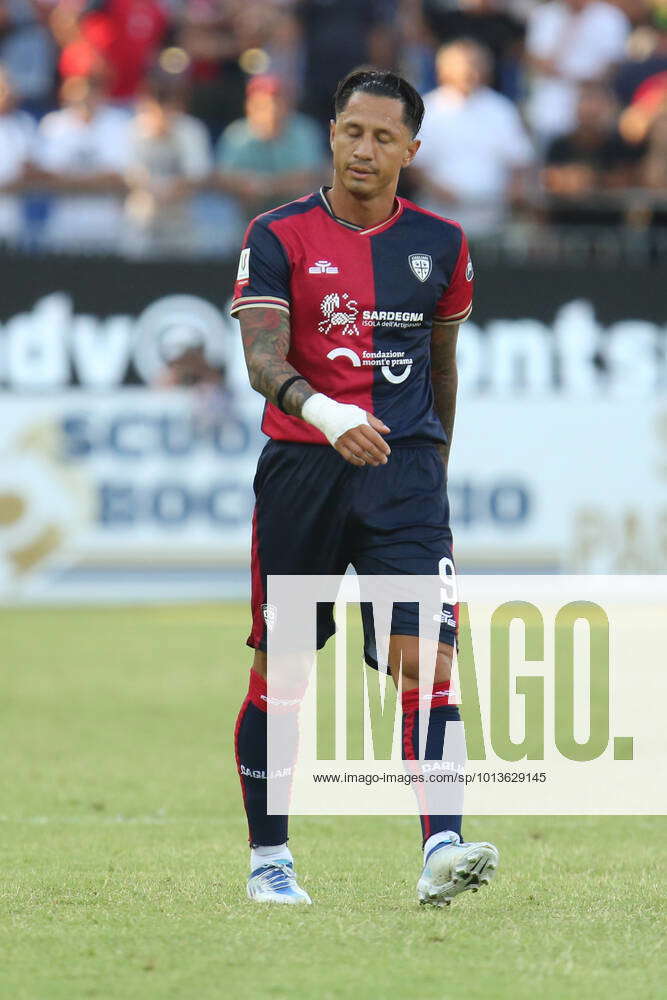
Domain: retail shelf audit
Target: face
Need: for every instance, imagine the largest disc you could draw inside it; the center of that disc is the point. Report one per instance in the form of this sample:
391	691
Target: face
460	68
154	116
82	96
371	143
266	113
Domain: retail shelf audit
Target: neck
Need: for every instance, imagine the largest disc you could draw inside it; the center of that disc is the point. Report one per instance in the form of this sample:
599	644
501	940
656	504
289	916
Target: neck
365	213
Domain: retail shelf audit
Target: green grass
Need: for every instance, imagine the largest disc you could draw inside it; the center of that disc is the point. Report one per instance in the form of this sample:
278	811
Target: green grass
122	857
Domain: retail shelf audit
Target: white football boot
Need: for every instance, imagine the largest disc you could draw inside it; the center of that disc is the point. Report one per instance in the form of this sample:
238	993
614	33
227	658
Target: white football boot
451	867
276	883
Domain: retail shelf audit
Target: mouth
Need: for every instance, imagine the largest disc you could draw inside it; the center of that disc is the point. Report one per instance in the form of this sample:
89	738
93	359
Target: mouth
360	171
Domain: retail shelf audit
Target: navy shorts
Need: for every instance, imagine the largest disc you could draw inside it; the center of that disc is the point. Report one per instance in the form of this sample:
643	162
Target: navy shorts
317	514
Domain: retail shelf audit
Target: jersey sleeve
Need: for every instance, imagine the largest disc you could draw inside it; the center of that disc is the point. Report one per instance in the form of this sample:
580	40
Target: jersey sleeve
263	278
455	304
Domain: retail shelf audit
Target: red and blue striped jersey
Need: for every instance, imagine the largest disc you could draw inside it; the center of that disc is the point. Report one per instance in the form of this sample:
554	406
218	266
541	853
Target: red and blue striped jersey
362	304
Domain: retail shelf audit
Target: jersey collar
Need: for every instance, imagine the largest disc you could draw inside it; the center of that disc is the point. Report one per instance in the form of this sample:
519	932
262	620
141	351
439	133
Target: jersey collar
358	229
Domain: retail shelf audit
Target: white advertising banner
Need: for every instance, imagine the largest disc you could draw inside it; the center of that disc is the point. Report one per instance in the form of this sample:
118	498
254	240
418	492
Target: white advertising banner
560	483
144	494
123	495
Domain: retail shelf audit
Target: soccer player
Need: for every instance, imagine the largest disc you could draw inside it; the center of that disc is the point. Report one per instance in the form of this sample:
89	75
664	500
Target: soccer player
349	301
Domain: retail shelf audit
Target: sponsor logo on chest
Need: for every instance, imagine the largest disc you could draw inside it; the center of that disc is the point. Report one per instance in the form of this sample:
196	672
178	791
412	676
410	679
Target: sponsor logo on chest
341	315
395	319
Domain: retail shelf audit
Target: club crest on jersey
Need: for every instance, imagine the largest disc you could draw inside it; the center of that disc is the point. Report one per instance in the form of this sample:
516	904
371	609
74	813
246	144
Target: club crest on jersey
340	313
420	265
323	267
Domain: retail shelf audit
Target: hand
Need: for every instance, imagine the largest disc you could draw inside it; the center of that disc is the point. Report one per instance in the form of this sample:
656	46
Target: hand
363	445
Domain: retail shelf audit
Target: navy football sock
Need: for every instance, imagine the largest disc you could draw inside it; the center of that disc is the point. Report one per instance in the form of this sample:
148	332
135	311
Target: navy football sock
251	761
441	713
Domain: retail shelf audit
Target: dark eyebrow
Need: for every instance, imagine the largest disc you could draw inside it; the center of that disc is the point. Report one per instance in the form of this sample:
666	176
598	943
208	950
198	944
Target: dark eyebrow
380	128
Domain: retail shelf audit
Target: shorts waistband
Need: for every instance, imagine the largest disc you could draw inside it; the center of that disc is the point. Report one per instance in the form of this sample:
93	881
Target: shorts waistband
399	443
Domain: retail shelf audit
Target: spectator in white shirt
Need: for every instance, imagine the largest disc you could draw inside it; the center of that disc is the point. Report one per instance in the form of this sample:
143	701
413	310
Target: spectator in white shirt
17	132
475	152
569	42
83	152
170	158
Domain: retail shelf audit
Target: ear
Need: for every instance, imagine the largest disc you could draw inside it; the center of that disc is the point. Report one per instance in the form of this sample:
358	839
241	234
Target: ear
410	152
332	132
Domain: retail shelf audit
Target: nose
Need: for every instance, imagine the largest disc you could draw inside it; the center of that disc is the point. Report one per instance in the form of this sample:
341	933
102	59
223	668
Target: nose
364	147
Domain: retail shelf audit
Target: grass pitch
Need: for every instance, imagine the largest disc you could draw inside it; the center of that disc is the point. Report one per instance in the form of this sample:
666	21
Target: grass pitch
122	857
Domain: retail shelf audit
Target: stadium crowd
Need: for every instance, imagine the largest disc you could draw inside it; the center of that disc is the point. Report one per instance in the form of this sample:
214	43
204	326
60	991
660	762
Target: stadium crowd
158	127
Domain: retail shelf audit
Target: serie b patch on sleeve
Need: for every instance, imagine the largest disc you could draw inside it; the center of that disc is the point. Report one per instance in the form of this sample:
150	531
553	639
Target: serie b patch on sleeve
243	273
470	274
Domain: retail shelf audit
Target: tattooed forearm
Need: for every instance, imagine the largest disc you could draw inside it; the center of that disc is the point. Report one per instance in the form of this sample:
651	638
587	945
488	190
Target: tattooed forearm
444	378
266	341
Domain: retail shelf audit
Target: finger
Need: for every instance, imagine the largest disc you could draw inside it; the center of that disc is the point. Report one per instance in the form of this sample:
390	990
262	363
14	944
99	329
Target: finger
365	443
377	424
360	445
372	435
372	441
372	458
351	455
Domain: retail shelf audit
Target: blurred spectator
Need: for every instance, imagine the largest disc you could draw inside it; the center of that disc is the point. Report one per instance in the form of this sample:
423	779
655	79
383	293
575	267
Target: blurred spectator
649	101
272	155
188	367
169	158
223	40
646	56
28	53
115	38
569	42
83	153
653	170
17	132
416	51
475	152
486	22
186	362
337	36
592	158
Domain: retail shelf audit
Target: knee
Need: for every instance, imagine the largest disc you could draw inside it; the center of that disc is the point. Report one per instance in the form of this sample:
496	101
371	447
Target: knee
405	656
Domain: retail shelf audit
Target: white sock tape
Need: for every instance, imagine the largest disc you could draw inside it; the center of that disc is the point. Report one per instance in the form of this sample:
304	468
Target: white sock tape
330	417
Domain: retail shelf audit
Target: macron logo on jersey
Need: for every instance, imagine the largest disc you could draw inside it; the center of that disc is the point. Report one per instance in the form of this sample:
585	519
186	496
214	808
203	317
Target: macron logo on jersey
323	267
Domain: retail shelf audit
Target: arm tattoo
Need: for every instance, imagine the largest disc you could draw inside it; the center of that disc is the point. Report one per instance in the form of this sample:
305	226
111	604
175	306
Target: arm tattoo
444	379
266	341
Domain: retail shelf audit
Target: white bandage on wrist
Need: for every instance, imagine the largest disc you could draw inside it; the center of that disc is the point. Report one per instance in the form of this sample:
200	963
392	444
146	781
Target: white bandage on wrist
330	417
